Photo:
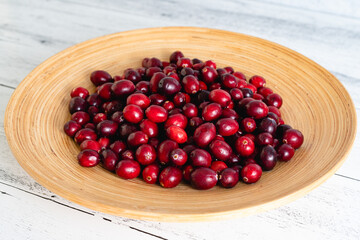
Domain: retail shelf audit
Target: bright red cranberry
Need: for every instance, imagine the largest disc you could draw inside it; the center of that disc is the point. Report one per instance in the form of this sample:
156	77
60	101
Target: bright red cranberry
132	75
156	113
265	91
71	128
267	158
90	144
210	63
264	138
143	86
268	125
128	169
227	126
285	152
176	134
183	62
168	106
149	73
211	112
79	92
178	157
175	56
137	138
239	75
220	96
123	88
200	158
85	134
257	96
187	170
229	113
257	81
209	74
218	166
99	118
145	154
128	155
198	66
203	178
202	86
164	150
256	109
251	173
133	113
228	178
138	99
220	149
104	142
179	99
118	147
292	137
100	77
190	110
169	86
88	158
191	84
170	177
228	80
154	81
204	134
247	92
157	99
244	146
275	110
248	125
231	105
104	91
77	104
274	100
236	94
174	75
109	160
107	128
150	173
149	128
177	120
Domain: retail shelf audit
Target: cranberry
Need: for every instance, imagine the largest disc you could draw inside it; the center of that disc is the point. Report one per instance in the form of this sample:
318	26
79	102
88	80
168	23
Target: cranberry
267	158
204	134
236	94
210	63
274	117
209	74
187	172
138	99
151	71
211	112
77	104
251	173
233	160
281	129
85	134
247	93
292	137
178	157
186	71
198	66
203	178
118	117
221	71
218	166
145	154
104	142
154	81
118	78
175	56
90	125
239	75
248	125
220	96
256	109
274	100
104	91
141	71
168	106
202	86
257	81
227	126
156	113
195	122
268	125
265	91
149	128
275	110
179	99
174	75
127	155
92	111
100	77
132	75
112	107
183	62
190	110
219	137
191	84
143	86
150	173
229	113
170	177
154	142
200	158
169	86
154	62
137	138
71	128
220	149
228	178
228	80
264	138
164	150
125	129
118	147
123	88
157	99
88	158
285	152
109	160
79	92
128	169
169	69
94	100
107	128
244	146
177	120
90	144
176	134
133	113
257	96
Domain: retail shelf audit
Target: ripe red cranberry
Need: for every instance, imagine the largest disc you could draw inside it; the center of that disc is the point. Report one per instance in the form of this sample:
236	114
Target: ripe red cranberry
85	134
195	122
157	99
118	147
179	99
229	113
257	81
264	138
99	117
90	125
164	150
118	117
190	110
257	96
251	173
178	157
150	173
109	160
169	86
211	112
210	63
218	166
128	155
100	77
138	99
107	128
281	121
176	134
156	113
204	134
169	69
177	120
77	104
112	107
90	144
145	154
132	75
71	128
251	87
149	128
149	73
200	158
256	109
220	149
104	142
220	96
137	138
154	62
122	88
203	178
248	125
198	66
191	84
219	137
227	126
94	100
221	71
174	75
88	158
274	117
236	94
209	74
228	80
285	152
228	178
229	70
154	81
267	158
79	92
275	110
292	137
239	75
186	71
265	91
170	177
268	125
274	100
187	170
143	86
133	113
128	169
202	86
125	129
168	106
104	91
183	62
244	146
175	56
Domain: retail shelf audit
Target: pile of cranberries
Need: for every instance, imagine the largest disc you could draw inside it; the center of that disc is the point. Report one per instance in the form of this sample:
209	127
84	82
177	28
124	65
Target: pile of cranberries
181	120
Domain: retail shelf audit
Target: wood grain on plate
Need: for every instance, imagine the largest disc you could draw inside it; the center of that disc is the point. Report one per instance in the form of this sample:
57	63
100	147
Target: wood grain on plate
314	102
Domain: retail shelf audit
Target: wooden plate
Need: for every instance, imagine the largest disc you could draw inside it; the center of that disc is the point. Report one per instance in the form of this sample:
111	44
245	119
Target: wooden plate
314	102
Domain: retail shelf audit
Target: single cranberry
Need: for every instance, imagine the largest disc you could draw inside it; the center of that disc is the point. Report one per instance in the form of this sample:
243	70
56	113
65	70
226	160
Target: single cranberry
177	120
183	62
267	158
85	134
228	178
154	81
179	99
149	128
196	60
109	160
137	138
100	77
220	96
154	62
220	149
90	144
274	117
132	75
79	92
256	109
229	113
141	71
90	125
99	117
164	150
150	173
190	110
202	86
88	158
257	96
71	128
128	169
281	121
209	74
144	62
275	110
257	81
227	126
104	142
125	129
191	84
236	94
169	69
204	134
211	112
175	56
228	80
145	154
187	170
247	93
239	75
149	73
107	128
118	117
123	88
77	104
264	138
292	137
210	63
168	106
285	152
218	166
251	173
229	70
128	155
203	178
118	147
176	134
268	125
178	157
138	99
170	177
186	71
157	99
221	71
265	91
169	86
233	160
104	91
143	86
244	146
156	113
94	100
200	158
248	125
274	100
198	66
133	113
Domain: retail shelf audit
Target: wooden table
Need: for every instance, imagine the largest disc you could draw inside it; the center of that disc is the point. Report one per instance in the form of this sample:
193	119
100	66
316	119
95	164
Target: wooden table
328	32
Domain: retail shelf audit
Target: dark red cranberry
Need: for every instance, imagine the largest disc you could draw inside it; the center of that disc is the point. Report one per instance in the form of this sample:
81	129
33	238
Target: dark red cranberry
157	99
132	75
122	88
281	129
247	93
203	105
90	125
237	168
156	113
229	113
244	146
125	129
128	169
99	118
203	178
202	86
139	99
169	86
236	94
94	100
168	106
218	166
154	62
85	134
109	160
191	84
151	71
154	81
174	75
229	70
233	160
203	96
104	142
77	104
190	110
90	144
112	107
220	149
88	158
264	138
133	113
251	173
187	172
137	138
170	177
169	69
211	112
267	158
164	150
285	152
246	161
228	178
100	77
92	111
186	71
107	128
228	80
204	134
209	74
265	91
275	143
177	120
71	128
275	110
256	109
274	100
194	122
268	125
220	96
118	78
274	117
118	147
198	66
118	117
196	60
200	158
227	126
178	157
292	137
154	142
128	155
79	92
141	71
104	91
183	62
145	154
149	128
150	173
143	86
257	81
179	99
210	63
175	56
221	71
